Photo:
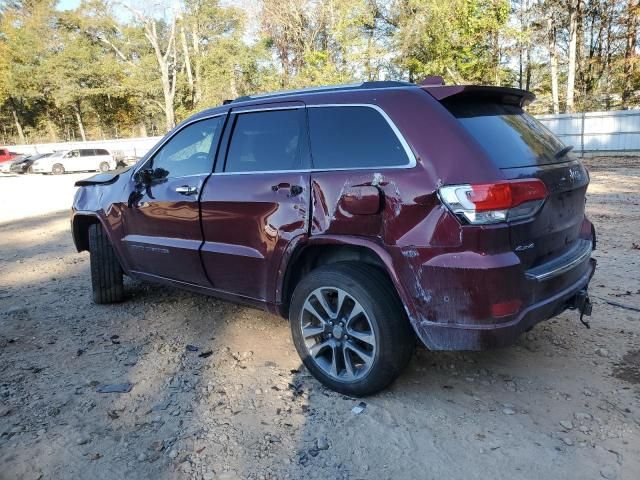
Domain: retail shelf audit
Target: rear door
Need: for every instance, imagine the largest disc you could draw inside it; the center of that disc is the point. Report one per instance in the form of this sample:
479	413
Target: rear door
257	201
162	221
523	148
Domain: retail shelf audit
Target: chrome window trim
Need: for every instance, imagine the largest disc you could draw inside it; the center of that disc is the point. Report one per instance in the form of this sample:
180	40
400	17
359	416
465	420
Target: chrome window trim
164	141
407	149
412	158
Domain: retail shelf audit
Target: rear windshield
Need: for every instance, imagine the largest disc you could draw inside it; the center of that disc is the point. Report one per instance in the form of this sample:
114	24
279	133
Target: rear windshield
511	137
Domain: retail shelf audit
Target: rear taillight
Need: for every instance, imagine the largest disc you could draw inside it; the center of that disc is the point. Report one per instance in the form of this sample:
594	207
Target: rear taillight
495	202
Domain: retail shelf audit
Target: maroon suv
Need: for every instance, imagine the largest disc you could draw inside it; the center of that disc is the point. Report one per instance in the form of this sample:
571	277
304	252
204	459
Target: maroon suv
367	214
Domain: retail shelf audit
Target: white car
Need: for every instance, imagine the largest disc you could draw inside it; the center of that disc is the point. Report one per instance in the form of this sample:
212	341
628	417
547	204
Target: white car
77	160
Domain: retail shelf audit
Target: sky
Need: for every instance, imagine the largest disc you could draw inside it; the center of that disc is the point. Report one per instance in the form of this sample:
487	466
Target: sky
68	4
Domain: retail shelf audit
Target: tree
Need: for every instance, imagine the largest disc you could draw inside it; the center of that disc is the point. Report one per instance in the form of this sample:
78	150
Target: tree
630	63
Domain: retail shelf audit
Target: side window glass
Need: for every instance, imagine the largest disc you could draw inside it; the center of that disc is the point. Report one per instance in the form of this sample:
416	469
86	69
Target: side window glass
266	141
191	150
353	137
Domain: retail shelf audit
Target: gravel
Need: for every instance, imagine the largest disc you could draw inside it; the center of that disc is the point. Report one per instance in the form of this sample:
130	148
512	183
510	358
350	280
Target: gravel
243	407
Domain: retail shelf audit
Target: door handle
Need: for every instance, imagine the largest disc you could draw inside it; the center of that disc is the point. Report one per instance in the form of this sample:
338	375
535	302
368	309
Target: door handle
295	190
187	190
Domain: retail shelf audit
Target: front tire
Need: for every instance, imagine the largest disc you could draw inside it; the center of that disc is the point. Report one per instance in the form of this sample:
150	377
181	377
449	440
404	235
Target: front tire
106	272
350	329
57	169
104	167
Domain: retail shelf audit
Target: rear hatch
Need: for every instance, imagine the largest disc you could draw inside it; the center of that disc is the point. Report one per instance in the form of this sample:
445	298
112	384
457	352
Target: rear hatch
521	147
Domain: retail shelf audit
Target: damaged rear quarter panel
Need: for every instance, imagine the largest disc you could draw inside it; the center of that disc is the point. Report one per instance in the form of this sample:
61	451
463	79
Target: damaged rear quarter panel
416	231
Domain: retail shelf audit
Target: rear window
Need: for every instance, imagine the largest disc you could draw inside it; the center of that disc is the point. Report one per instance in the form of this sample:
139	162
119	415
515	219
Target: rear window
353	137
511	137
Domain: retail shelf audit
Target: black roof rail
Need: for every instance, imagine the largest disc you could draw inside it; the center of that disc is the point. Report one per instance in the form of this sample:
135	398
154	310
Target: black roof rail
327	88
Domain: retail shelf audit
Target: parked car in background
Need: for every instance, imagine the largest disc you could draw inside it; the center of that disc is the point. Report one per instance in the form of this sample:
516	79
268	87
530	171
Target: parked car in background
5	167
6	155
368	215
23	165
127	161
76	160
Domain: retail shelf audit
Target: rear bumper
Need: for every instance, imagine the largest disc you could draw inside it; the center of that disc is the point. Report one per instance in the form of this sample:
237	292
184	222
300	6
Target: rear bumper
465	300
497	335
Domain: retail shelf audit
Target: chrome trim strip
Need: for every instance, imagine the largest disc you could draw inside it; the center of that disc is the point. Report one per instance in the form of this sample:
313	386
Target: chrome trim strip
164	140
412	158
546	275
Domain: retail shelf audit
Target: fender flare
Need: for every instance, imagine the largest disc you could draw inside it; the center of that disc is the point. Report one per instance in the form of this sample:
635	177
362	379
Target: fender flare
102	221
297	245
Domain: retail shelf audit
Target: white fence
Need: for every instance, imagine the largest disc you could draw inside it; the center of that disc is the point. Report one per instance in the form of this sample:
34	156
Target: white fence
615	132
126	147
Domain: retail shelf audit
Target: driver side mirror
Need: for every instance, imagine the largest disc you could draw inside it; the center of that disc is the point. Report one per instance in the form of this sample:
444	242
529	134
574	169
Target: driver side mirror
147	176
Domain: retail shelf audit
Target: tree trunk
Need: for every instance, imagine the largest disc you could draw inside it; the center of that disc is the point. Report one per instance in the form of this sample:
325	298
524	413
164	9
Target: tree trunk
197	63
553	61
187	61
168	77
76	111
496	56
633	10
16	121
574	5
53	136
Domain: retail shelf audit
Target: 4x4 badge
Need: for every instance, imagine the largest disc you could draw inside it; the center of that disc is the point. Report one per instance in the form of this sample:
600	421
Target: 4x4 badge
575	174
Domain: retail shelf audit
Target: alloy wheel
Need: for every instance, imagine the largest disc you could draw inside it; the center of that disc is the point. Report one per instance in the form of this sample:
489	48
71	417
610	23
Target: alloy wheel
338	334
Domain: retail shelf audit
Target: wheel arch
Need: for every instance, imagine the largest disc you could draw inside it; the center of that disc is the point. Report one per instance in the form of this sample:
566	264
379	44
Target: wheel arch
80	224
327	249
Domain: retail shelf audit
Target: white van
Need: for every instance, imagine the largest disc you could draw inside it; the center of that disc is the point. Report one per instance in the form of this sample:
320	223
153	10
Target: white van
77	160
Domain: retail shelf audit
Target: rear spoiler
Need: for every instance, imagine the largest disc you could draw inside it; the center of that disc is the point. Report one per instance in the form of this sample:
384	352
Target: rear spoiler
510	96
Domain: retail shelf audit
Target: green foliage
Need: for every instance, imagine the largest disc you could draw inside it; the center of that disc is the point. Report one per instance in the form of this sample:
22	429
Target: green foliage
97	68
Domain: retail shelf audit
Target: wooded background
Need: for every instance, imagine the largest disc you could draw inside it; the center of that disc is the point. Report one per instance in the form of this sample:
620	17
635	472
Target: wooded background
115	69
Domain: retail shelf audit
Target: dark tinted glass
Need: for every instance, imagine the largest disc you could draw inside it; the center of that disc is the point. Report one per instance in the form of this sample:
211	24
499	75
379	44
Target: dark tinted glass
191	150
86	152
266	141
101	151
512	137
353	137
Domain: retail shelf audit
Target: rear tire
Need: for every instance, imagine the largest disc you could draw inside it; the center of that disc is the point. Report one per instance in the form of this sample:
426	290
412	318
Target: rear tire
104	167
57	169
357	354
106	272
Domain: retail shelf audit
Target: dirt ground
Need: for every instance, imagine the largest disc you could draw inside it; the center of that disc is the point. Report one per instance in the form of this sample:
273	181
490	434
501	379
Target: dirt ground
564	403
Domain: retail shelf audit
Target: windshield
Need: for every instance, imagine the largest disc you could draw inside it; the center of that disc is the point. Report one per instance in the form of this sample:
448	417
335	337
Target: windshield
57	154
511	137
